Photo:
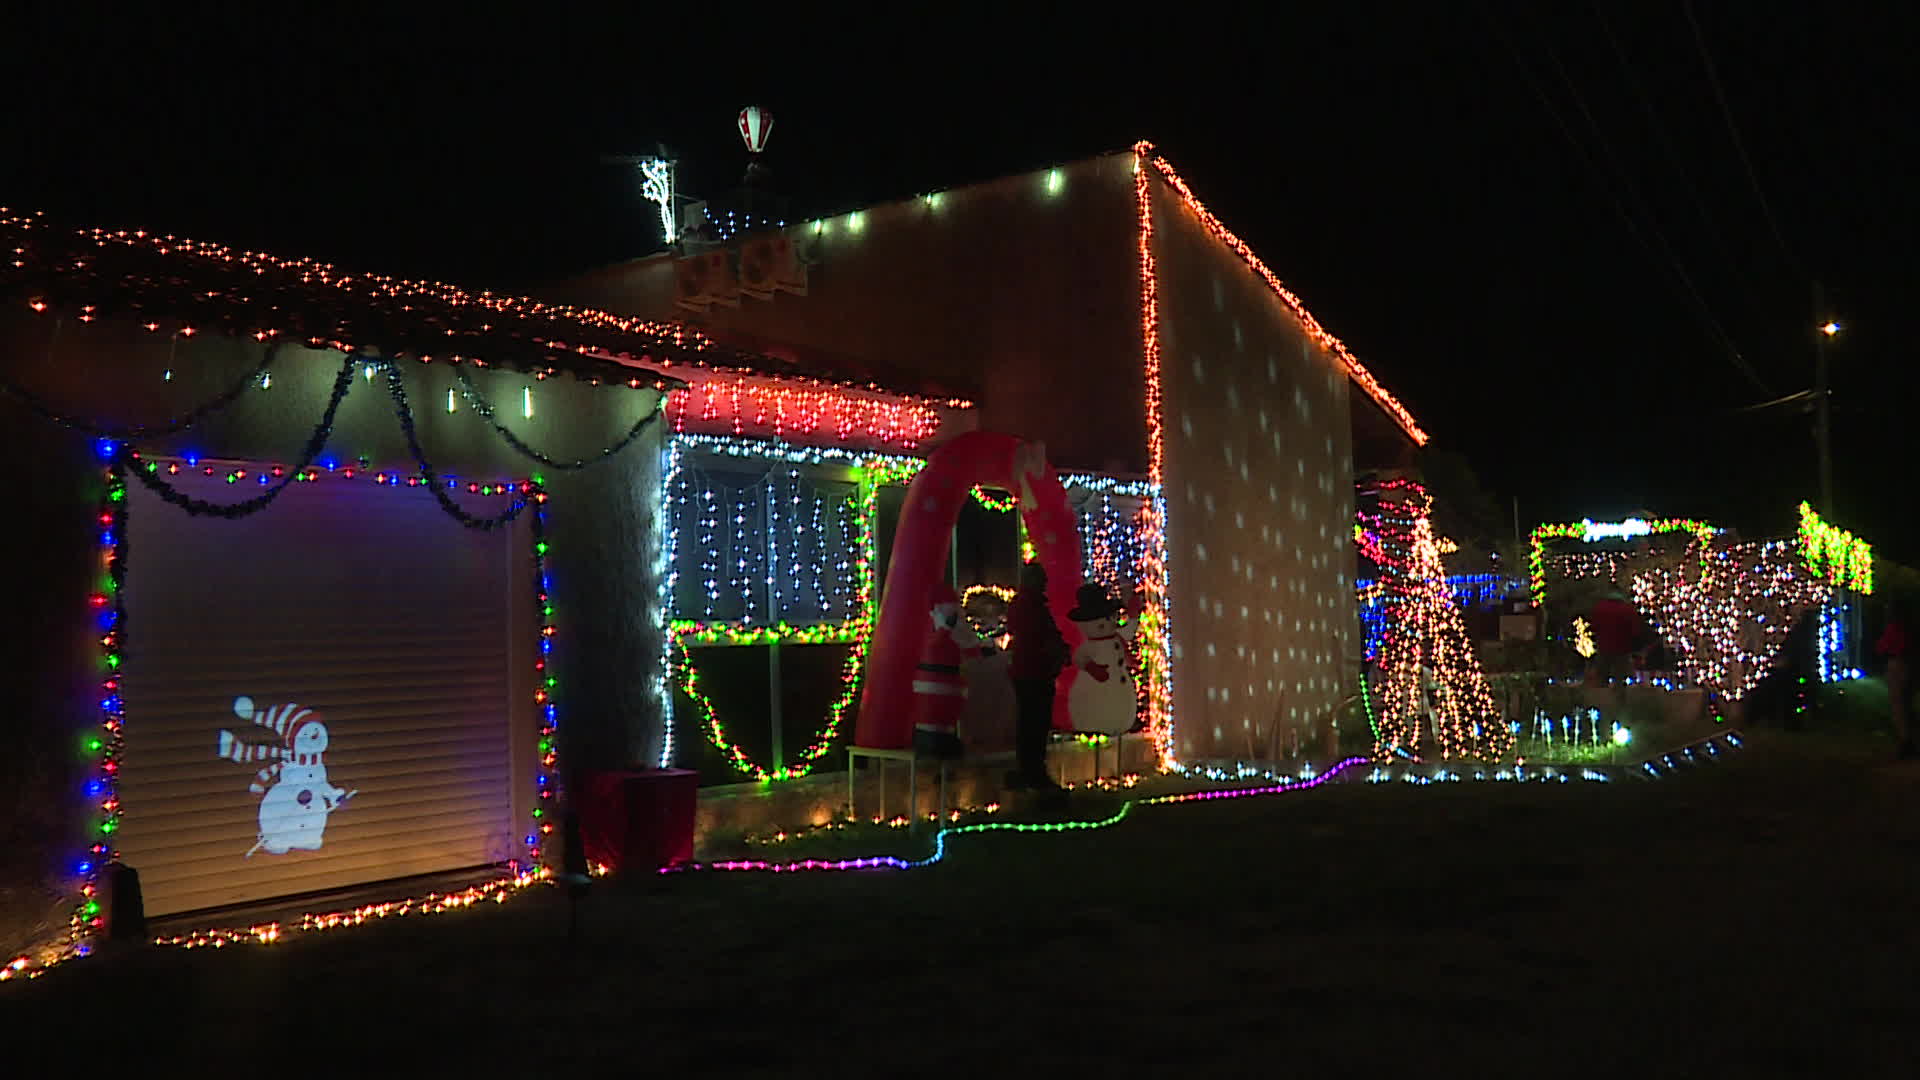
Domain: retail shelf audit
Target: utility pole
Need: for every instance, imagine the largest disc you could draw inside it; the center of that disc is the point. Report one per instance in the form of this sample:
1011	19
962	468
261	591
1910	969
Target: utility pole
1822	402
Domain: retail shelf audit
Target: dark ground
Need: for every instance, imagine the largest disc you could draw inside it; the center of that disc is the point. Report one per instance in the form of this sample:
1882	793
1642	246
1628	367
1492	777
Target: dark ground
1756	917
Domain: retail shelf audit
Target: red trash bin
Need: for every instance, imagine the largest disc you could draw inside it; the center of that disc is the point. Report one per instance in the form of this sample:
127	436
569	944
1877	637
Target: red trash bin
638	819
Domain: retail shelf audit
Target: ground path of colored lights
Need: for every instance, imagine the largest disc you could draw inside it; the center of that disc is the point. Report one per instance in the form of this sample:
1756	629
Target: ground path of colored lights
1704	750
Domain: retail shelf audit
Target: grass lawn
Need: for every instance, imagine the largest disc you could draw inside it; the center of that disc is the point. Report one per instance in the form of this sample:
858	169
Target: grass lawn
1759	916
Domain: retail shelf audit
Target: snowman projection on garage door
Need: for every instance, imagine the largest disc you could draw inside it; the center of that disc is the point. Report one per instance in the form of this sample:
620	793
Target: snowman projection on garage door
295	794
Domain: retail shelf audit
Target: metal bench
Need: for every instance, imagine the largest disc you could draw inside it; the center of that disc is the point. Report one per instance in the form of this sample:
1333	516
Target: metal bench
883	757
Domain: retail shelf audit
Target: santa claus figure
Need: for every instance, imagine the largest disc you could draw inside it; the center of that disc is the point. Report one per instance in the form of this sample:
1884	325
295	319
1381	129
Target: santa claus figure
939	685
1101	699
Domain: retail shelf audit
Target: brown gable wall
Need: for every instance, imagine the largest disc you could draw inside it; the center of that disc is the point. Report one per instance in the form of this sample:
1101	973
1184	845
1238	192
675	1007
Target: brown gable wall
1024	298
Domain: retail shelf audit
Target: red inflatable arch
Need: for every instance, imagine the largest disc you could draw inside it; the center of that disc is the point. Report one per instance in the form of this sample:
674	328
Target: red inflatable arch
919	561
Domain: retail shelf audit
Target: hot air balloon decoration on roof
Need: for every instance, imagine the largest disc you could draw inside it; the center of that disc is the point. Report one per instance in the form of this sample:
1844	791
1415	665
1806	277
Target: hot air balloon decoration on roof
755	125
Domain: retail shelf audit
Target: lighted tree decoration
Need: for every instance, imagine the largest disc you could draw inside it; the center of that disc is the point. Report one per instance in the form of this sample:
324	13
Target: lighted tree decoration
1429	672
1726	628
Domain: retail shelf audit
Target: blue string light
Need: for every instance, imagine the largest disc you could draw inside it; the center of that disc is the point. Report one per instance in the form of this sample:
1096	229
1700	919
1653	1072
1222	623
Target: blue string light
1467	590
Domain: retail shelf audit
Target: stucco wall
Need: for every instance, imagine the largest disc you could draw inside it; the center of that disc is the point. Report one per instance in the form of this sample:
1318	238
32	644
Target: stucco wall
1259	491
1019	292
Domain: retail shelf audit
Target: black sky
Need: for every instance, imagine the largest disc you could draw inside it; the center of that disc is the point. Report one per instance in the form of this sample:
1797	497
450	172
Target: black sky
1532	221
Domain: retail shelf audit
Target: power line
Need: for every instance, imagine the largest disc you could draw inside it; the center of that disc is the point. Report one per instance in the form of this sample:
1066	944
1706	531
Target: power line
1633	193
1626	216
1801	395
1733	130
1647	106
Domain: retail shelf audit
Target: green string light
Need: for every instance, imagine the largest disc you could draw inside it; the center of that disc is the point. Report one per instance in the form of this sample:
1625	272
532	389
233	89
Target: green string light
870	474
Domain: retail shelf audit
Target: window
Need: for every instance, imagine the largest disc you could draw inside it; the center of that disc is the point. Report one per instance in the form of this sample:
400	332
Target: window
761	543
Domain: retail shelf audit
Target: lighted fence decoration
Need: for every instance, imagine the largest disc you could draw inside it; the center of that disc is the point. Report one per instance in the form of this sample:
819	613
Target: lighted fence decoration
1589	531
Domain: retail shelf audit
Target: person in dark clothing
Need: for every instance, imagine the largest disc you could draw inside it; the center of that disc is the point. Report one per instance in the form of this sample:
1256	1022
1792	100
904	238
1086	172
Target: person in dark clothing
1038	654
1616	631
1894	645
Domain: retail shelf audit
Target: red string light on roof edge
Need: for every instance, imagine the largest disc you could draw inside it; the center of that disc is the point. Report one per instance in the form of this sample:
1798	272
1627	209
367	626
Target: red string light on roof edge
1354	368
809	415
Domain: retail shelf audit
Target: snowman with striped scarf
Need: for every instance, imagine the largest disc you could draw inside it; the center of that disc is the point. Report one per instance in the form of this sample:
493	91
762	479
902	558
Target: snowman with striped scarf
295	795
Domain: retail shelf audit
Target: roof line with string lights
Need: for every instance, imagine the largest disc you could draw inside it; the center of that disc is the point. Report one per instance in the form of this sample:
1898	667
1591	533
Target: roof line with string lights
160	279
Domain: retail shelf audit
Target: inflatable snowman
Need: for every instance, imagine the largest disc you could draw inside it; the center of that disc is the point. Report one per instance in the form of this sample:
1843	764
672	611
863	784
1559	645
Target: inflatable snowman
1101	698
296	796
986	724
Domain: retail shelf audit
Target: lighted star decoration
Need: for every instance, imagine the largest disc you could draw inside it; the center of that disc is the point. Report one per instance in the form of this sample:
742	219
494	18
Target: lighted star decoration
1430	675
1726	634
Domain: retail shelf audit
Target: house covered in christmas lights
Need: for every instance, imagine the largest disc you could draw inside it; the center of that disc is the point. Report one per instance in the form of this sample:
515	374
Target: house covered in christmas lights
1208	430
332	577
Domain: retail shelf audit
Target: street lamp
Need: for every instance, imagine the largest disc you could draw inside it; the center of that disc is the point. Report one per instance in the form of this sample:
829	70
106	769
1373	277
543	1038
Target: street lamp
1823	402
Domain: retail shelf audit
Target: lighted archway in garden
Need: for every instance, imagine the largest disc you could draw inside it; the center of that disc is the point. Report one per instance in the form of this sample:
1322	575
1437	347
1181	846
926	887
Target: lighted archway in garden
919	561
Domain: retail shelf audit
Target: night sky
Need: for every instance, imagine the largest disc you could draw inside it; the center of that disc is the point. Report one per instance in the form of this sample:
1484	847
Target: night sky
1539	229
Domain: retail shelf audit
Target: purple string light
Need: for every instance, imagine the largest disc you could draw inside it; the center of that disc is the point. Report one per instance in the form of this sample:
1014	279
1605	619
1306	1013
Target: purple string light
871	862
